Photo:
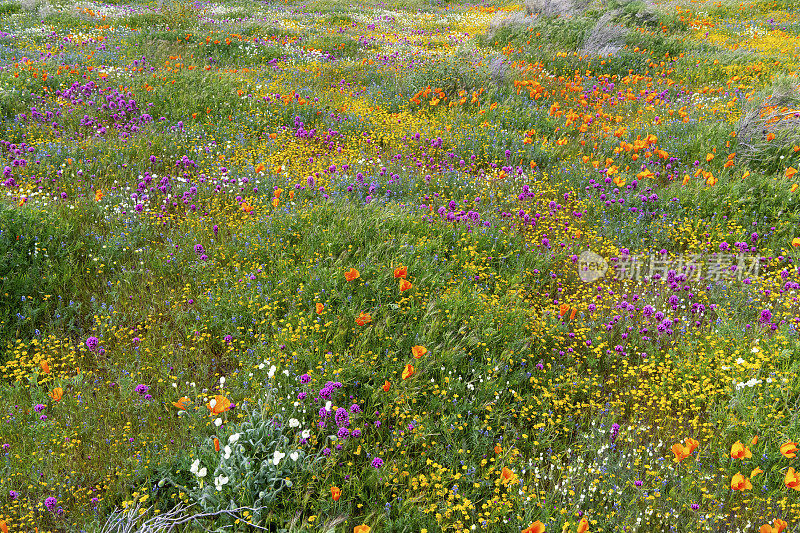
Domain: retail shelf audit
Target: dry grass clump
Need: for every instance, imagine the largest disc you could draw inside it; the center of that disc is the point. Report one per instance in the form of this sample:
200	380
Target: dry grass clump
770	122
605	38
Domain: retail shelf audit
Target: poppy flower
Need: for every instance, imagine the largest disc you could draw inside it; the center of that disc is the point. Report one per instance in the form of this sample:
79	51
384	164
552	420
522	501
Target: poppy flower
278	193
770	136
680	452
400	272
789	449
739	482
408	371
56	394
691	444
387	386
792	479
536	527
562	310
756	471
418	351
351	274
778	526
507	476
320	308
498	448
276	202
754	440
336	493
3	526
583	525
45	367
219	404
363	318
791	171
363	528
405	285
181	403
796	242
683	451
216	444
740	451
98	195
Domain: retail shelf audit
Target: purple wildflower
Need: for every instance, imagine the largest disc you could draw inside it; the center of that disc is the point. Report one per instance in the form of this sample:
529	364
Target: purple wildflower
92	343
50	503
342	418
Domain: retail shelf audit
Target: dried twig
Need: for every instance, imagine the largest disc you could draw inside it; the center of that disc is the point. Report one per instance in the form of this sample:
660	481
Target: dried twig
128	520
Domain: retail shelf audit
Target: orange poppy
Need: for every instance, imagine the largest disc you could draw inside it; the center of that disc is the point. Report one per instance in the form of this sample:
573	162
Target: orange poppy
278	192
692	444
3	526
351	274
507	476
536	527
216	444
739	482
98	195
498	448
792	479
740	451
405	285
181	403
320	308
756	471
276	202
336	493
683	451
789	449
572	313
56	394
45	367
754	440
791	171
418	351
583	526
387	386
363	528
796	242
562	310
709	157
219	404
400	272
777	526
770	136
363	318
408	371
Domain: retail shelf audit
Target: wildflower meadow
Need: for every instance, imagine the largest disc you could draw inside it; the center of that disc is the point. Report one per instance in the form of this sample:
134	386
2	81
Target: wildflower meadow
410	266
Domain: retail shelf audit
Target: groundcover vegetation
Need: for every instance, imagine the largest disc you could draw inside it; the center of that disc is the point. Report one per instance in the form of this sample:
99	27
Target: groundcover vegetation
414	266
